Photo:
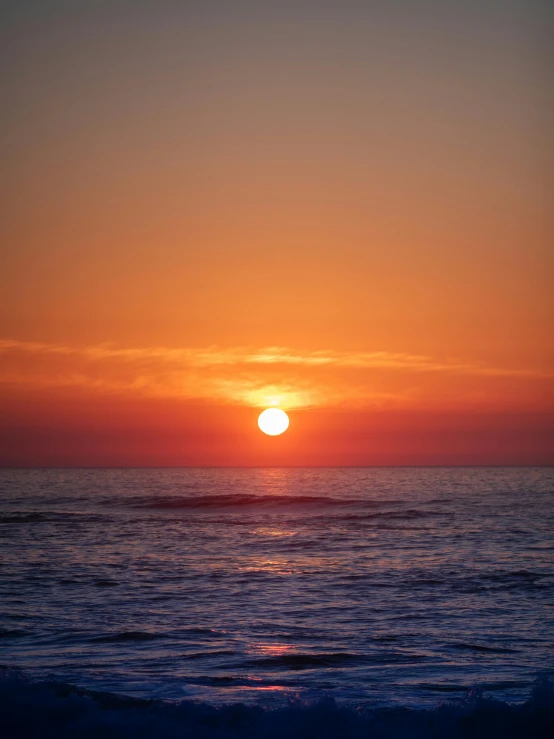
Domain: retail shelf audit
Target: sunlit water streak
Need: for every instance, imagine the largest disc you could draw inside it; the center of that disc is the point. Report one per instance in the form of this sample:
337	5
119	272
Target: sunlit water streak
375	586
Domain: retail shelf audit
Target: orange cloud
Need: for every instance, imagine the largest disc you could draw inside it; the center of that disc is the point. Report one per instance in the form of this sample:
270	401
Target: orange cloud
266	376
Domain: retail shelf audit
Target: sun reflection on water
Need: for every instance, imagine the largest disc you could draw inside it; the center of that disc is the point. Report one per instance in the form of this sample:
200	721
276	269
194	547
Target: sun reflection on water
273	532
275	566
271	650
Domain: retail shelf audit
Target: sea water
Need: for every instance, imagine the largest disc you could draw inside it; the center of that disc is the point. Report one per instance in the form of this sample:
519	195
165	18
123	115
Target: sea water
376	587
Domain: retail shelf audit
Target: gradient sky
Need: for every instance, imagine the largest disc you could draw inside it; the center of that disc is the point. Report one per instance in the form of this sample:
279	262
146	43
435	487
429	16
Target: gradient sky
341	208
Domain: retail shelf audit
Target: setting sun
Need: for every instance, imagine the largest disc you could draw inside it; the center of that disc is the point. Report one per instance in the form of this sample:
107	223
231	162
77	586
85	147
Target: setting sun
218	214
273	421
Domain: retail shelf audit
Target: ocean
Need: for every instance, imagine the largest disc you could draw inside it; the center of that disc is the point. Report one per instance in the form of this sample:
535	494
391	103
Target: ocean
253	601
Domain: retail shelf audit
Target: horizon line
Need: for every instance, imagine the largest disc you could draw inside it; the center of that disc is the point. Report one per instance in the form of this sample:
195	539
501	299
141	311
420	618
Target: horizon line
276	467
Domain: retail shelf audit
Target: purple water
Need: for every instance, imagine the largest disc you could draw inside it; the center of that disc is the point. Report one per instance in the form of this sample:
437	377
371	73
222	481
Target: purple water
376	587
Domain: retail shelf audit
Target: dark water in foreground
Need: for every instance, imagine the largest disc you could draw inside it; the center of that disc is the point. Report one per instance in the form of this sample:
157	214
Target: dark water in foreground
377	587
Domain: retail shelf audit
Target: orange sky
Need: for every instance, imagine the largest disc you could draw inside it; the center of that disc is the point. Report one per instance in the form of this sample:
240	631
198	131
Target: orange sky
338	208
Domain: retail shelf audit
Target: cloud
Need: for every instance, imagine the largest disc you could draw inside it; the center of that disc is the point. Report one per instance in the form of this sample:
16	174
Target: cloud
214	357
254	376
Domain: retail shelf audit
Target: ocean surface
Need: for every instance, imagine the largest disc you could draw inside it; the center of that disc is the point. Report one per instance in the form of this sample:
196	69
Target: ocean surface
378	588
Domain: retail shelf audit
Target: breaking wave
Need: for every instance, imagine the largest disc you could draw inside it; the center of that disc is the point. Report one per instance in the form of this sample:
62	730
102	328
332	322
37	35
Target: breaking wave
50	709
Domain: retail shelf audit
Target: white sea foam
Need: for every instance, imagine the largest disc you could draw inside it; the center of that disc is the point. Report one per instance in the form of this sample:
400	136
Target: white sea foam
60	711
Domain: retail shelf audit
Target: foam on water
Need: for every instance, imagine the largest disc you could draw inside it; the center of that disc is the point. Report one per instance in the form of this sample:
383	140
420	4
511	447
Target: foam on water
57	710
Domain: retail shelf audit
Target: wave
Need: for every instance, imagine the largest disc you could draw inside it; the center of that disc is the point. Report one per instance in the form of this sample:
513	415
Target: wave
237	501
125	636
299	661
354	509
46	517
12	633
150	502
349	509
51	710
482	648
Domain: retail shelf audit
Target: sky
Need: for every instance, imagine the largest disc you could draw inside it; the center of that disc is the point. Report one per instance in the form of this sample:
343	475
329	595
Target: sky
338	208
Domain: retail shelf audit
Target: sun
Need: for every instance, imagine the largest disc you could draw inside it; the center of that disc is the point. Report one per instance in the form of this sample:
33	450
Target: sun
273	421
